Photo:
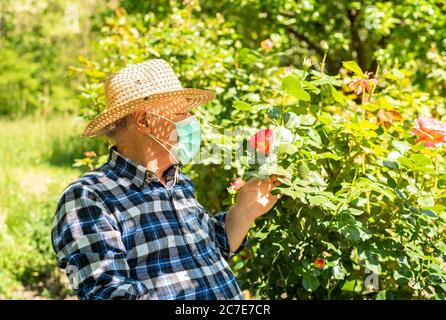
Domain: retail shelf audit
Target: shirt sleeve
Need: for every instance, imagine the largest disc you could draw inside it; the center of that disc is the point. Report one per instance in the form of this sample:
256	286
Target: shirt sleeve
88	245
218	224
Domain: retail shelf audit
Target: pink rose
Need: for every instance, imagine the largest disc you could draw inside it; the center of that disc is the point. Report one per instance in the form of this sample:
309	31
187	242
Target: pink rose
429	130
236	184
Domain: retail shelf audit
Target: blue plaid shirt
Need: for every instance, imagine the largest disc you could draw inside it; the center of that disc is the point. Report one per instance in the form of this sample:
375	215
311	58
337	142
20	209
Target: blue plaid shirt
120	234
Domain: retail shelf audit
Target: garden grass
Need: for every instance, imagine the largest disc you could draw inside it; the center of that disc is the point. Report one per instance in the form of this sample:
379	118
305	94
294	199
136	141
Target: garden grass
36	156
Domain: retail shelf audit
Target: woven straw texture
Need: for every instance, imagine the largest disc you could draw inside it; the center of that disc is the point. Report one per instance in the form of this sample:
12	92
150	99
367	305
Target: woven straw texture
149	84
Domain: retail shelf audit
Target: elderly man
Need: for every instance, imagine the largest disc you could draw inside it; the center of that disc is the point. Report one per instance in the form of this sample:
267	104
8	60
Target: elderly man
132	228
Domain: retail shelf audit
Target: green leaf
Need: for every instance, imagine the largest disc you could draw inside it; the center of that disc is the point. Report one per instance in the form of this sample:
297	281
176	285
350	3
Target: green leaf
303	170
293	86
339	272
327	155
426	201
325	118
241	105
372	264
315	179
337	96
405	162
420	160
391	76
430	213
310	282
381	295
295	194
401	146
353	66
262	106
349	285
274	113
288	148
307	120
310	86
355	212
280	171
417	162
321	201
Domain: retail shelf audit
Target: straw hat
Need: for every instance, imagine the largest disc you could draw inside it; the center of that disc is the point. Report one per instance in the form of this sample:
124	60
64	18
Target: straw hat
138	85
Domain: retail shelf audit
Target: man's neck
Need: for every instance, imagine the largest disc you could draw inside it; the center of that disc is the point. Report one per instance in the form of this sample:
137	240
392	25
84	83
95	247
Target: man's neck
153	157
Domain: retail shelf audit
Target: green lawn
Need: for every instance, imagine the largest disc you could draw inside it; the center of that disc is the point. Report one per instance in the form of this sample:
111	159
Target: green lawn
37	156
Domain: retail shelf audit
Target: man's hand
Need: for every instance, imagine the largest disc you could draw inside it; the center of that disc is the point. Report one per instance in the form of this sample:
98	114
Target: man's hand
255	199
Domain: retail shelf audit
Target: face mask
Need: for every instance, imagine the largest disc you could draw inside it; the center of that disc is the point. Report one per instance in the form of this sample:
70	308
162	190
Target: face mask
189	139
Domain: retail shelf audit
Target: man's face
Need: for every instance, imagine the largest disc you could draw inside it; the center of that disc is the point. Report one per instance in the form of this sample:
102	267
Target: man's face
162	128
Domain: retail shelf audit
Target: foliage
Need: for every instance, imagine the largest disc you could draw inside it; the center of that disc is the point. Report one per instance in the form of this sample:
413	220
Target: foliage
34	59
363	199
386	32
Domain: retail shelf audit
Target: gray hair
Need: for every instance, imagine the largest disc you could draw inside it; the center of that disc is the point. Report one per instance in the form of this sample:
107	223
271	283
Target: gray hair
113	130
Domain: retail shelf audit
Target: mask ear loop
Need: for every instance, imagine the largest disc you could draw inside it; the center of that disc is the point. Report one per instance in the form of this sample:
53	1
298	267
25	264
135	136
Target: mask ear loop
175	180
156	114
161	142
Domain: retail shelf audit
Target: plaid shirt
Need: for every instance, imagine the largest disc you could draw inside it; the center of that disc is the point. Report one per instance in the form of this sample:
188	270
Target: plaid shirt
120	234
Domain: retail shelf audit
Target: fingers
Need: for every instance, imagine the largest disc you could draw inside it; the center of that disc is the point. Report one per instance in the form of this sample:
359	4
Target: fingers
276	197
255	181
241	183
274	181
271	182
275	177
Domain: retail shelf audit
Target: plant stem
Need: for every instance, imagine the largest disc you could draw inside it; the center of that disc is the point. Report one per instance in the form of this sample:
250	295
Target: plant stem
281	275
362	105
330	289
368	202
323	62
374	86
437	166
363	162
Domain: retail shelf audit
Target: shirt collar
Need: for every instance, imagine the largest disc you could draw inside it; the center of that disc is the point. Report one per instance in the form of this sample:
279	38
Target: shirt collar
137	173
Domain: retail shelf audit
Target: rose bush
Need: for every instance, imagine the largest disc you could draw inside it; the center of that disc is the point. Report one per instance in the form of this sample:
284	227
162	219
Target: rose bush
364	212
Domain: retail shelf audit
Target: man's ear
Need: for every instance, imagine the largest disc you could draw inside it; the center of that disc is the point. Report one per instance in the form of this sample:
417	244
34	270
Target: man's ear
141	122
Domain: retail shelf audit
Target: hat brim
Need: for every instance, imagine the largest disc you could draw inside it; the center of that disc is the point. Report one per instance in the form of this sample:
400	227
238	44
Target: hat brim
194	98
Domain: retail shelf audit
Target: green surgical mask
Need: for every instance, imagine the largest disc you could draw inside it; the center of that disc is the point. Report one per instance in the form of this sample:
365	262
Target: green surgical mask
189	139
